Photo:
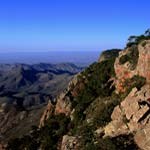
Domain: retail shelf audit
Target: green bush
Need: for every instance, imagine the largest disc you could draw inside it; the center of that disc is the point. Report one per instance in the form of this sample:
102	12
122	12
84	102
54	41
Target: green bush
122	142
46	138
143	43
123	59
97	84
135	40
132	57
136	81
102	113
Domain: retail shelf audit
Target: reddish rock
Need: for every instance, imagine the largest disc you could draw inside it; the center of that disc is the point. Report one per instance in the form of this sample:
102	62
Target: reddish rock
63	106
47	113
124	71
142	138
132	116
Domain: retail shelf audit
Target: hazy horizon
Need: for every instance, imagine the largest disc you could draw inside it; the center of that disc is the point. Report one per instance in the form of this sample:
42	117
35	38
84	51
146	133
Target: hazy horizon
77	57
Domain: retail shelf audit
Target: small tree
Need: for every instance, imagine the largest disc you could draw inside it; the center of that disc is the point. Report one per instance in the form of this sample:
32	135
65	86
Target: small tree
147	32
132	39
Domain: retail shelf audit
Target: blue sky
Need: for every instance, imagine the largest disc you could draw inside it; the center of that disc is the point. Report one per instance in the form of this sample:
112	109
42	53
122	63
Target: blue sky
45	25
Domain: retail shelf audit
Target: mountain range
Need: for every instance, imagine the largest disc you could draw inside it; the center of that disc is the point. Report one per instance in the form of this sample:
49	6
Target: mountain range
25	90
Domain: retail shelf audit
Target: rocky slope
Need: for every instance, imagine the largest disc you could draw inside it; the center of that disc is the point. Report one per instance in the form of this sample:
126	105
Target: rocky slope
105	107
132	115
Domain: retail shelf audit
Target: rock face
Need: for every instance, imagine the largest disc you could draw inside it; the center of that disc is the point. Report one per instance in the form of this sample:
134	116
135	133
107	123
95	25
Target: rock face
47	112
124	71
132	116
63	104
69	143
63	101
142	137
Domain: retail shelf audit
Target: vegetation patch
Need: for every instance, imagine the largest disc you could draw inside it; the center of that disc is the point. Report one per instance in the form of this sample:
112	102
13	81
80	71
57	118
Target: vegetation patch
97	84
136	81
135	40
122	142
132	57
46	138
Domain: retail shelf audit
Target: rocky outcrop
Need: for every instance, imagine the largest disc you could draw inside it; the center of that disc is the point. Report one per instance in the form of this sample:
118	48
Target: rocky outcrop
142	137
47	113
125	71
64	100
63	104
70	143
132	116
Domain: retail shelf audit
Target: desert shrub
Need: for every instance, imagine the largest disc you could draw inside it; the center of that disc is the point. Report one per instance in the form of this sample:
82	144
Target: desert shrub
97	76
132	57
122	142
102	113
46	138
54	129
136	81
123	59
143	43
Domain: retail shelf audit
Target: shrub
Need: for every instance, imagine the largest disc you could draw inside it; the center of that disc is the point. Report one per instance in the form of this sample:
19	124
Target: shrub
46	138
122	142
132	57
143	43
136	81
123	59
97	76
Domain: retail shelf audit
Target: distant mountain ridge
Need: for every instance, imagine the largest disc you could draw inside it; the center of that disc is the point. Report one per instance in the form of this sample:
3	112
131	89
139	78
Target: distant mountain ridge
24	91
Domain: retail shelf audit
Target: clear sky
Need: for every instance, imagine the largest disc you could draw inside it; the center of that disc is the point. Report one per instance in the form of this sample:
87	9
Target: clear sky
44	25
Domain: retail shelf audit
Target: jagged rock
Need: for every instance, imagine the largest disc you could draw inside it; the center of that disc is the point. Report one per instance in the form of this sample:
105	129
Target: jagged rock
132	116
139	114
63	104
48	111
116	113
63	101
130	104
115	128
142	138
69	143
